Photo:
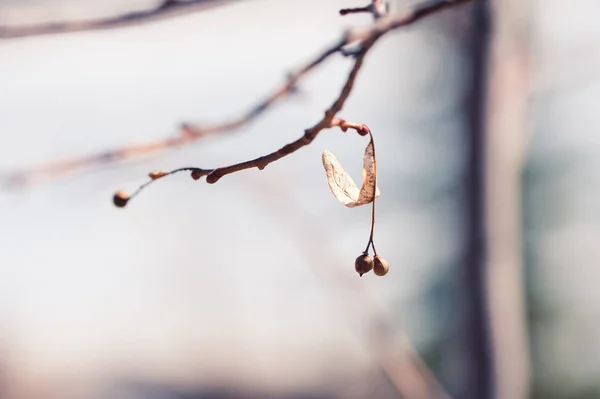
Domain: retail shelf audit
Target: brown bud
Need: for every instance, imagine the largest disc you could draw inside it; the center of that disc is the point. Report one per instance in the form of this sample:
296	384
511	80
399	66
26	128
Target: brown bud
196	174
120	199
213	177
380	266
156	174
363	264
363	130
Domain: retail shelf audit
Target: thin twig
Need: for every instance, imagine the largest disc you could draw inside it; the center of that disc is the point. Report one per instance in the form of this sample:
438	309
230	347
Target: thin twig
378	8
365	37
345	11
167	9
371	242
309	134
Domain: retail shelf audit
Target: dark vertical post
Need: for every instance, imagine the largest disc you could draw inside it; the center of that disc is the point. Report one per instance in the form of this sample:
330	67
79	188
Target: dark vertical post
476	332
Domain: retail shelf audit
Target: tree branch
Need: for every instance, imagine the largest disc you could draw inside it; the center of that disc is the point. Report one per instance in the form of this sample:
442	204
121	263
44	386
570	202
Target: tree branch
364	38
166	9
309	134
406	371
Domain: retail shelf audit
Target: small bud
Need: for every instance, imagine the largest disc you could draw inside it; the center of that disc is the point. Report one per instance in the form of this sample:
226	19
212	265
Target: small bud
380	266
363	130
261	165
120	199
363	264
156	174
212	177
196	174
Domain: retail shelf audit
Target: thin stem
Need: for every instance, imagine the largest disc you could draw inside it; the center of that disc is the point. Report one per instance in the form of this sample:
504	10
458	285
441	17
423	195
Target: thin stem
346	11
371	243
196	174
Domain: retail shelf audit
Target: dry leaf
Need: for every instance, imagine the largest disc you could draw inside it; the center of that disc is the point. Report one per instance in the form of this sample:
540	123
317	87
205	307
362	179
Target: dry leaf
343	187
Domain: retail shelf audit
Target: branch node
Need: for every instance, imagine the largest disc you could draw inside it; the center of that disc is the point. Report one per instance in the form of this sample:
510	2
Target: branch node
363	130
197	174
214	176
330	114
308	137
262	163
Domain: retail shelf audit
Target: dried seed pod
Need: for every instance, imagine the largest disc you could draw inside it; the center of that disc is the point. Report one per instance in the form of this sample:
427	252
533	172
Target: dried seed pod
363	264
343	187
380	266
120	199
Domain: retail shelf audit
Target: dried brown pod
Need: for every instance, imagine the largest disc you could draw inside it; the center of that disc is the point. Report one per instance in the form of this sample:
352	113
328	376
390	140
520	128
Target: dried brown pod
120	199
380	266
363	264
343	187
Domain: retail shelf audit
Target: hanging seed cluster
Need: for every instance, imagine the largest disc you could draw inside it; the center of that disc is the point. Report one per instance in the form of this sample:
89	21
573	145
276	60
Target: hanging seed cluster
341	184
346	191
364	264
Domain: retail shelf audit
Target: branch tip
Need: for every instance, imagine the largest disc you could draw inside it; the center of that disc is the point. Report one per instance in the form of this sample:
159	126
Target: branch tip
346	11
213	177
120	199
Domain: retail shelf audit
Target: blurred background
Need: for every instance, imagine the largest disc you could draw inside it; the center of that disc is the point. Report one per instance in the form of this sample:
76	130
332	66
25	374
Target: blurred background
246	288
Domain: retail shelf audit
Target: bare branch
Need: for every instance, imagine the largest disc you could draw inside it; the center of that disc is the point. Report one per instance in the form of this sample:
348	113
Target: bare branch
167	9
364	37
121	198
406	370
309	134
